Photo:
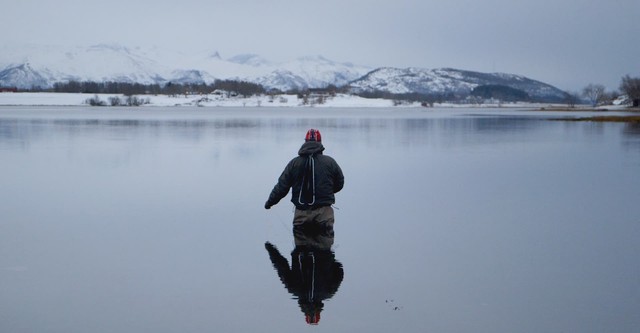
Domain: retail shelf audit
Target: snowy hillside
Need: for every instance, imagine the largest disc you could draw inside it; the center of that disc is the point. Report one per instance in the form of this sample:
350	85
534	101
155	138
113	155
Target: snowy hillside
94	63
447	80
26	66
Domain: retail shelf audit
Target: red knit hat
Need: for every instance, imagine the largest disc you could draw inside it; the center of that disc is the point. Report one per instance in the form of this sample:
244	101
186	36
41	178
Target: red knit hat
313	135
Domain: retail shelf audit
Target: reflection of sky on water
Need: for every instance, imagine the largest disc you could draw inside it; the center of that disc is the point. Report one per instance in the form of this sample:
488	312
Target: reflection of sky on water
632	135
454	220
417	128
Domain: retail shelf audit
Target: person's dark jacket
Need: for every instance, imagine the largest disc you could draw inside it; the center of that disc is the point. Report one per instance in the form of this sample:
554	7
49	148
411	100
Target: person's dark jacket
312	176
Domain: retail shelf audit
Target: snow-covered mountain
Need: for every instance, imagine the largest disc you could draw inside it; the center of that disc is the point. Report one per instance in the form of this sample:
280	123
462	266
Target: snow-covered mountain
33	65
95	63
22	75
448	80
27	66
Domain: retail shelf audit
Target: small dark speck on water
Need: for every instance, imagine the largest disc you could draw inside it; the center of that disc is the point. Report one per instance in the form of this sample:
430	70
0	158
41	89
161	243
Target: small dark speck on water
394	308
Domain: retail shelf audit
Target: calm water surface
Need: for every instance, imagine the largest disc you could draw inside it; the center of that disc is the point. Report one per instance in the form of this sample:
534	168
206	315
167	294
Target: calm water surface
152	220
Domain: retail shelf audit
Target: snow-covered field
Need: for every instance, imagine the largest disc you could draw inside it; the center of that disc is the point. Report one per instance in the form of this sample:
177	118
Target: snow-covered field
213	100
78	99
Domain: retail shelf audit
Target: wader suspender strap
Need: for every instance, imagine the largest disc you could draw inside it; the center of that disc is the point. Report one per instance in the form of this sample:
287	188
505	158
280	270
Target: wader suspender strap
310	164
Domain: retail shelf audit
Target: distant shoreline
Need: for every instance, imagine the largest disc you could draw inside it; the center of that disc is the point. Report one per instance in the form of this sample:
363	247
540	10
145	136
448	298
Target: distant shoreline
589	109
635	119
35	99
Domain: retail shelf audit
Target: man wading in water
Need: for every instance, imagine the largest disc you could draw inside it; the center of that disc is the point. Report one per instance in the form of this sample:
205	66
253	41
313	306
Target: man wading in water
313	178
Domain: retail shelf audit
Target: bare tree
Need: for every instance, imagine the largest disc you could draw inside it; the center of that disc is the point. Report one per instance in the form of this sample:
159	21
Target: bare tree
115	101
631	87
610	96
571	98
594	93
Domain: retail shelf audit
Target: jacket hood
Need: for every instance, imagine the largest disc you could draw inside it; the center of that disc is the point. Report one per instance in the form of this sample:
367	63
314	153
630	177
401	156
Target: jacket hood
310	148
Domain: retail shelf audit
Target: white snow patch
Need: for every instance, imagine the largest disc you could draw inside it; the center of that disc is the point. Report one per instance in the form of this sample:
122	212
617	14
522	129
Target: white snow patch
208	100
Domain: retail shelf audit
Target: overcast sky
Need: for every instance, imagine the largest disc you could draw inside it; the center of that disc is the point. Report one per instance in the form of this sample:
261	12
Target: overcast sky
567	43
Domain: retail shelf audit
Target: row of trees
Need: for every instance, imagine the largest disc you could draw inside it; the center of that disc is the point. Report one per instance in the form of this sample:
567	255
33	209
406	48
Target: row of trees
499	92
89	87
596	94
427	99
117	101
630	86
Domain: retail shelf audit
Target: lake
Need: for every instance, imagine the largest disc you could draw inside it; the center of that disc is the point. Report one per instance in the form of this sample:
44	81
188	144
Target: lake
451	220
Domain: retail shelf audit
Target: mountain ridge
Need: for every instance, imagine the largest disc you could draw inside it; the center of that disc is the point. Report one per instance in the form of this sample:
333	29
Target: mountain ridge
42	66
448	81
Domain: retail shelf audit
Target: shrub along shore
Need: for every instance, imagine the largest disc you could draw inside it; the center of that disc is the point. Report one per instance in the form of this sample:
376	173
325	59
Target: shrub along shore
635	119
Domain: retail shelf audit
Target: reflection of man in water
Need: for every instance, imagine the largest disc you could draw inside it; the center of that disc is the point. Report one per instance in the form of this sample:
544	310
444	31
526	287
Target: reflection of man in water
314	275
313	178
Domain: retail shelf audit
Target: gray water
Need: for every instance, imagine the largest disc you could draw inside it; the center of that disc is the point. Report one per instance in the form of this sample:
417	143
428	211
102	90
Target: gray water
152	220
